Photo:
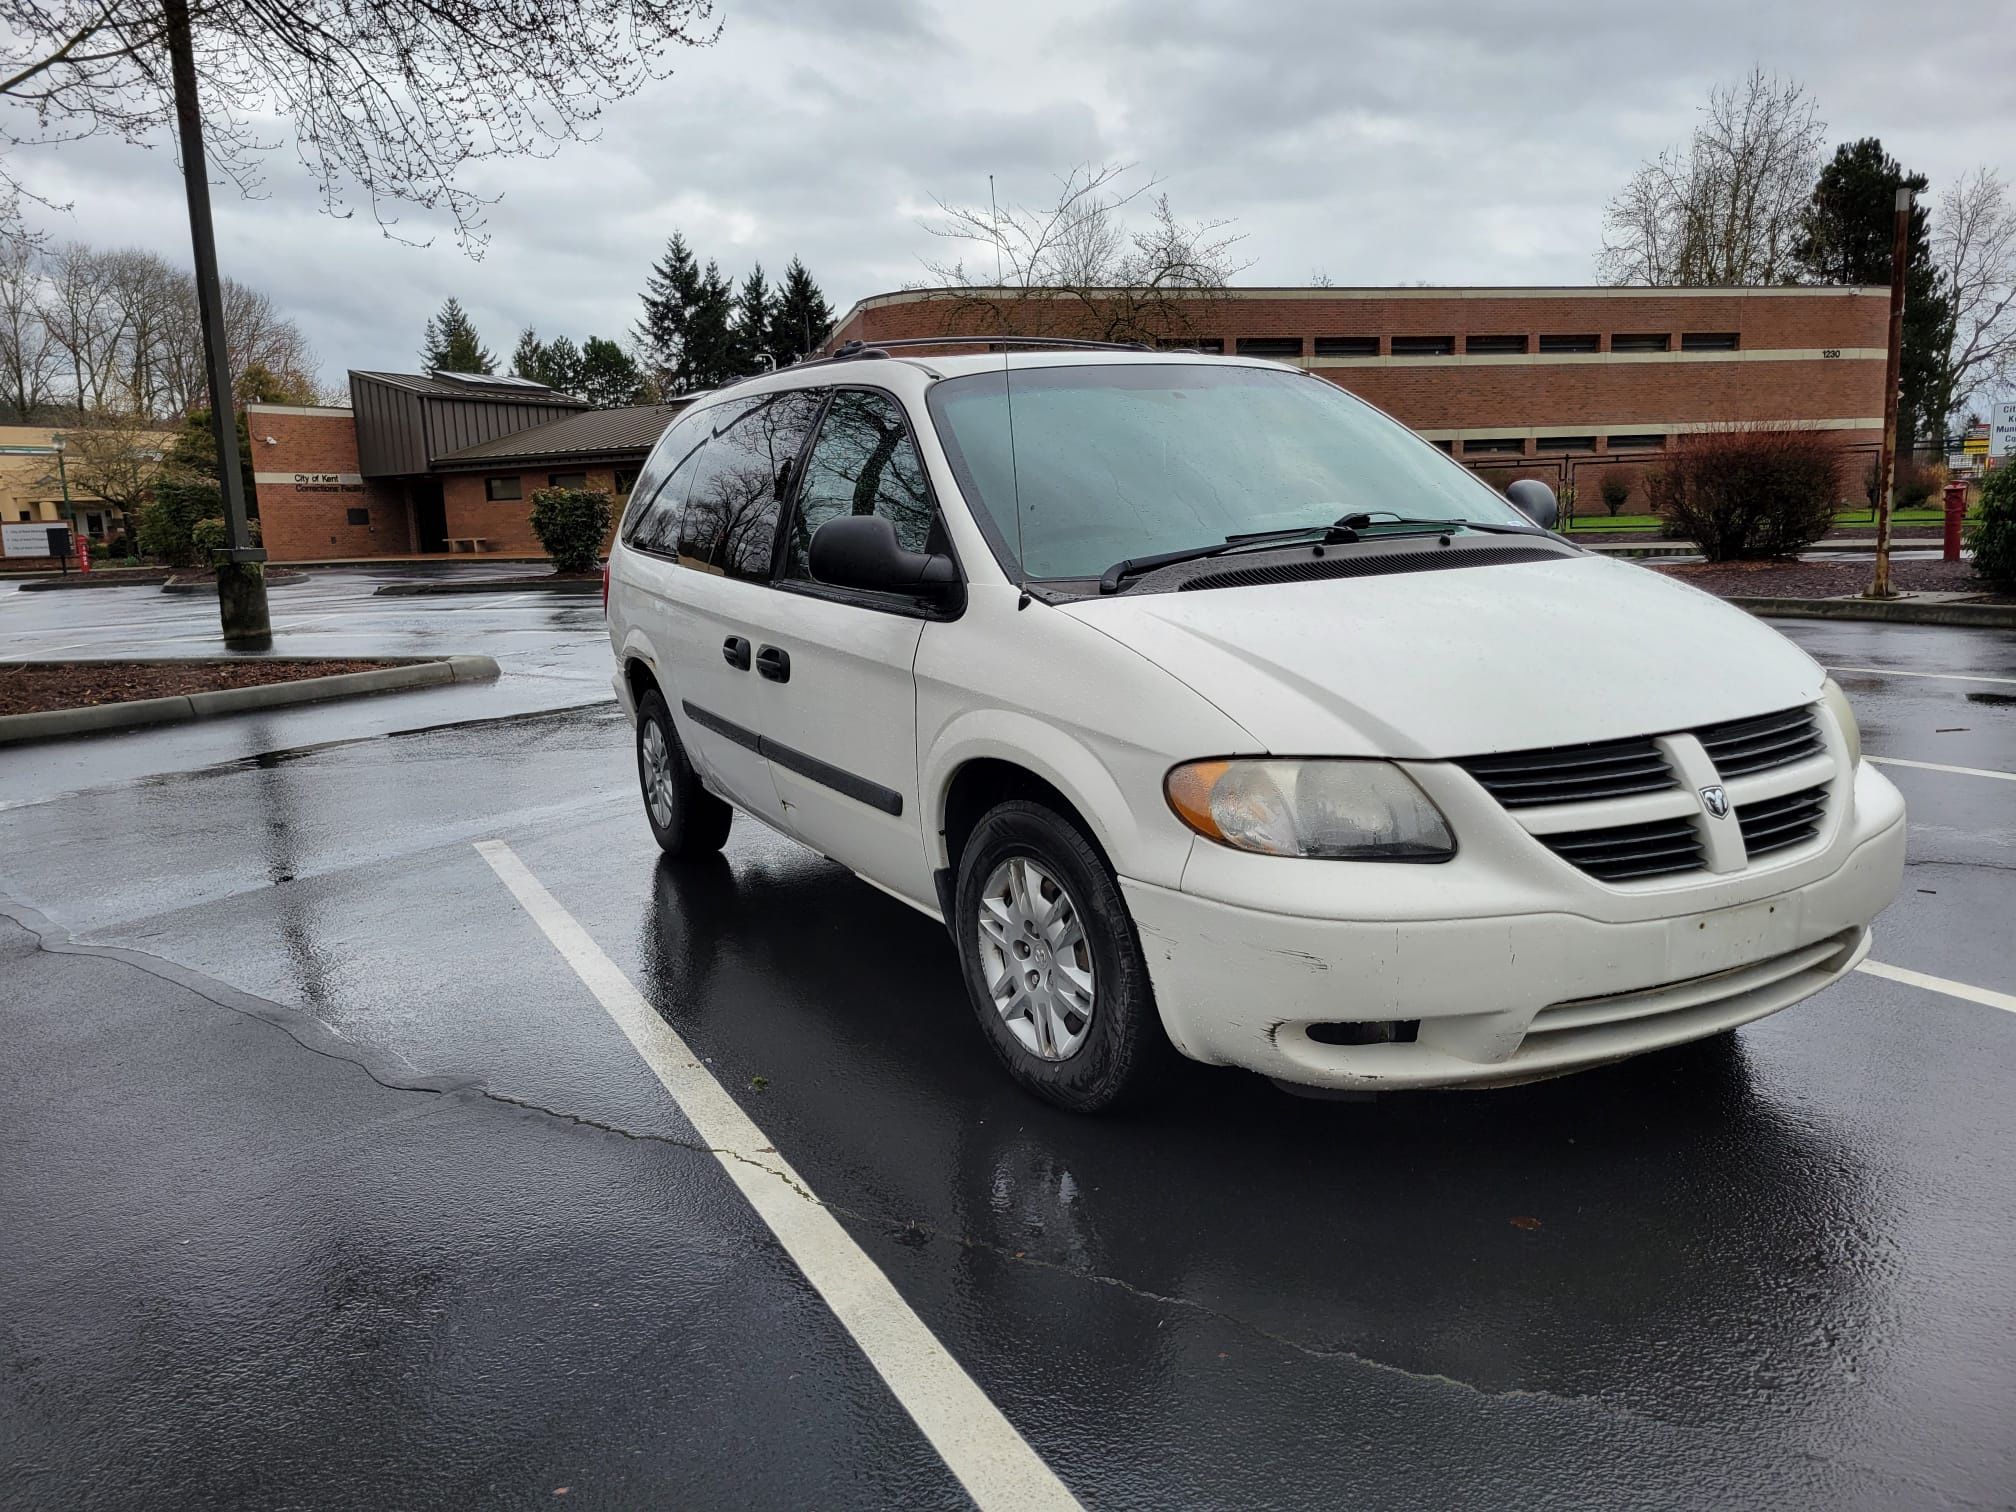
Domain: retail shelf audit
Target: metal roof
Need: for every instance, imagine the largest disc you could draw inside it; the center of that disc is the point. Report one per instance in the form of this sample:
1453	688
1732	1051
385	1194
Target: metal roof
596	433
475	387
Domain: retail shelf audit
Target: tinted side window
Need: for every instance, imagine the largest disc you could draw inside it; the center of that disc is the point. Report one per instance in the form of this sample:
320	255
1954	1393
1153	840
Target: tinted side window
730	523
657	528
673	448
863	463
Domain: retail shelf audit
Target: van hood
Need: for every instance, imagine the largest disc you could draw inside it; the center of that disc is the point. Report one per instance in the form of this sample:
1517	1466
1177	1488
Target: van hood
1461	663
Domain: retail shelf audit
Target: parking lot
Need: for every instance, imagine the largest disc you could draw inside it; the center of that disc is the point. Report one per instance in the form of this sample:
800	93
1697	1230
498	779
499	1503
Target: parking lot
337	1172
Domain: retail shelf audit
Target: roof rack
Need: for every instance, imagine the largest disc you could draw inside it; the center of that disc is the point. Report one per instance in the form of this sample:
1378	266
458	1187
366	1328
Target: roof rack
857	349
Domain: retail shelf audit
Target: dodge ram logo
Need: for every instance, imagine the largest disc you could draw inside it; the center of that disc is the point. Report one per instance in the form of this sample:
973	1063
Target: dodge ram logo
1716	801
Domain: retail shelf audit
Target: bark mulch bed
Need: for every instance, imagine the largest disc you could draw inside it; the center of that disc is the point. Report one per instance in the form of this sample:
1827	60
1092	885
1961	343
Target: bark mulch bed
1819	578
33	687
1917	535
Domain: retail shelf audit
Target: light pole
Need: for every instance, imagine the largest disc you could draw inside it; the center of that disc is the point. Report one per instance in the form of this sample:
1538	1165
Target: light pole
241	566
1900	242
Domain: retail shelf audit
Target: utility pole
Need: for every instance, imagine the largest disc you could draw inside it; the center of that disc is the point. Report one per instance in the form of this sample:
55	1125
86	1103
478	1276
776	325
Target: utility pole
241	566
1900	246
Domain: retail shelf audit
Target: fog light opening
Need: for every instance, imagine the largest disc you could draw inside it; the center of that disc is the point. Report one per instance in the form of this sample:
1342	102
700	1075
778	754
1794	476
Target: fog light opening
1367	1032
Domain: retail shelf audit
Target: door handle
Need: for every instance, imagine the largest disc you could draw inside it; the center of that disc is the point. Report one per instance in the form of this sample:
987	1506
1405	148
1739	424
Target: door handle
774	662
735	652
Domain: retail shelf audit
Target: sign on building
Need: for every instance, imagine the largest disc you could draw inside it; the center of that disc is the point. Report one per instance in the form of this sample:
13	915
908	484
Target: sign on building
34	540
2002	429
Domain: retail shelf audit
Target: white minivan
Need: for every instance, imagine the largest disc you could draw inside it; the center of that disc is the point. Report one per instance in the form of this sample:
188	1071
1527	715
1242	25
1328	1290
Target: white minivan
1210	708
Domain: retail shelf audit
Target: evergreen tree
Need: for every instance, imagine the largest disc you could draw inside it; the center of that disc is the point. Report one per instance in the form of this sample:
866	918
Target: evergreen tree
753	309
670	293
800	320
562	366
529	358
707	356
1845	239
608	378
451	344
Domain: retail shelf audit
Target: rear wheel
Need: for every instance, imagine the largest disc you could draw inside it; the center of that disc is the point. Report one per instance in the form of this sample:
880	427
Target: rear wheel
687	820
1052	963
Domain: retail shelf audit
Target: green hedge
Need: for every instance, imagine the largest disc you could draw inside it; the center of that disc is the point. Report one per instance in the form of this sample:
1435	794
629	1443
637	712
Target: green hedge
572	524
1991	535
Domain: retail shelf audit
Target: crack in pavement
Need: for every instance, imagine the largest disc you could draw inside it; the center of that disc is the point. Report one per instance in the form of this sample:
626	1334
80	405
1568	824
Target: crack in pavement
313	1035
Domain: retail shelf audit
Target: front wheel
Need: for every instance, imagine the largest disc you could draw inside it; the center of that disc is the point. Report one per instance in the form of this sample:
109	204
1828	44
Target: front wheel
688	821
1052	962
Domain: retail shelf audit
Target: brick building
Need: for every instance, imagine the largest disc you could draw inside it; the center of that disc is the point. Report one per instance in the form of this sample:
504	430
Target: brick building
1561	383
1565	384
424	463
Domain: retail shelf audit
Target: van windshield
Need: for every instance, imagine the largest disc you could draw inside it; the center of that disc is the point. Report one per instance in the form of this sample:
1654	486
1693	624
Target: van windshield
1078	467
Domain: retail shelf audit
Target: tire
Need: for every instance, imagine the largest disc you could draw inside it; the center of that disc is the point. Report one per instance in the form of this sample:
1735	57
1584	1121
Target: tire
1085	1052
688	821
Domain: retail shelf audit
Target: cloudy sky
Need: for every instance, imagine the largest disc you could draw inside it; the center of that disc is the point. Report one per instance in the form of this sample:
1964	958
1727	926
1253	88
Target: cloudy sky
1470	142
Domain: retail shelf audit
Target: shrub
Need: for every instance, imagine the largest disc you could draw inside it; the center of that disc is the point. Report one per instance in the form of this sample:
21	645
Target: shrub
210	535
571	524
1616	488
118	546
1991	534
1915	484
1748	491
168	520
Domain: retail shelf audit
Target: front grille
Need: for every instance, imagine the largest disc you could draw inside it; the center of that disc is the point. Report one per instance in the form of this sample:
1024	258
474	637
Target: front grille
1630	850
1572	774
1773	823
1743	746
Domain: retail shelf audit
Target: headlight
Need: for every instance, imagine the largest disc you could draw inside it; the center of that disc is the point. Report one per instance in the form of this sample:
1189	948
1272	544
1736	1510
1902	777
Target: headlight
1339	810
1844	715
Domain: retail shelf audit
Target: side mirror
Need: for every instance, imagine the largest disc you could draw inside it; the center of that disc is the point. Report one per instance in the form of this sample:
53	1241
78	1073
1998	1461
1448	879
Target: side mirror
1535	500
861	551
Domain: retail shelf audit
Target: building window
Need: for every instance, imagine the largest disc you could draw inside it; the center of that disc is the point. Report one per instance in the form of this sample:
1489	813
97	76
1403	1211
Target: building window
1494	346
567	480
626	479
1212	344
1637	443
1424	346
1565	443
1447	446
1347	346
1496	446
1270	346
1641	341
1588	343
356	517
1708	341
497	490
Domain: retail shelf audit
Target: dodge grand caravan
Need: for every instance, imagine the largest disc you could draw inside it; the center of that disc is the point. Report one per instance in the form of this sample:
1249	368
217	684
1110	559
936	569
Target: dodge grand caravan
1210	708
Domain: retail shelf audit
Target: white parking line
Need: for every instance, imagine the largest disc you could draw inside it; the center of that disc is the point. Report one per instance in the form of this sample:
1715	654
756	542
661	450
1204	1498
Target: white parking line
1935	766
981	1447
2003	1000
1948	676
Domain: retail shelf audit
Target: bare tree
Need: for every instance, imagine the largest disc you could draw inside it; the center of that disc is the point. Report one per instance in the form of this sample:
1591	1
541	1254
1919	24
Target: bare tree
1974	249
85	322
115	457
388	100
1726	208
1079	267
28	356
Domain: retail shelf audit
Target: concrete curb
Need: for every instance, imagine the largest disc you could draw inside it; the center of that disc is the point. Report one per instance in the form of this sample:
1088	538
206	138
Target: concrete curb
1903	611
581	586
61	724
1658	546
281	581
80	581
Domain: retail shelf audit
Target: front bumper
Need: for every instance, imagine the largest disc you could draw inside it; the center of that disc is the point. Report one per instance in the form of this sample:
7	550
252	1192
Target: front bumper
1534	987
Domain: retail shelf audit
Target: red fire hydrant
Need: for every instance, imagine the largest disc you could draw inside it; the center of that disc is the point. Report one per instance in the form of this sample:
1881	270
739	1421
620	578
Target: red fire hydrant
1956	511
83	553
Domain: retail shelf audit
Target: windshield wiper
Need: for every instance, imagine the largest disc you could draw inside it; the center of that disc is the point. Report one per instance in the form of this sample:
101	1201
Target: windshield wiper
1492	527
1126	567
1341	532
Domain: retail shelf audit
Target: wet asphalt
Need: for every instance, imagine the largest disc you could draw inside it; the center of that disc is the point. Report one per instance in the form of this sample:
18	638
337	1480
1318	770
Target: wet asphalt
327	1182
